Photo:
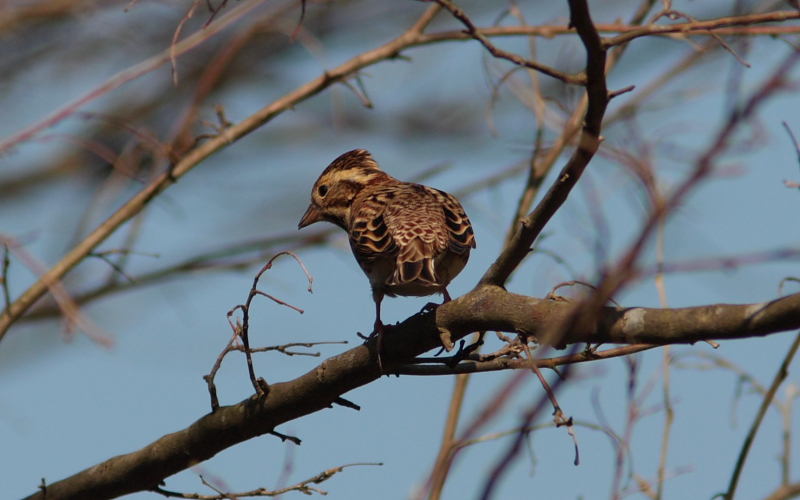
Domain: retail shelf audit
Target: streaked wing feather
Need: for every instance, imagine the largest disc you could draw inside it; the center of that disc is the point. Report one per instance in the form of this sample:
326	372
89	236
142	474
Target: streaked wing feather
418	226
413	224
462	237
369	235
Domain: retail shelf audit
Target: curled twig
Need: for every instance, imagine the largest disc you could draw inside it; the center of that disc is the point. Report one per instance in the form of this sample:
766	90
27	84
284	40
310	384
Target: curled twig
240	331
552	296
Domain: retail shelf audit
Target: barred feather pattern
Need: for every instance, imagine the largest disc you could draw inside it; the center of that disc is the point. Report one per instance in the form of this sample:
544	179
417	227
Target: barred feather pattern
409	239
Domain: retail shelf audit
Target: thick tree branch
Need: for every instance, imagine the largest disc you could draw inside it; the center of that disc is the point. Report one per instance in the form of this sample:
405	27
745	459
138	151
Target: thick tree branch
492	308
485	308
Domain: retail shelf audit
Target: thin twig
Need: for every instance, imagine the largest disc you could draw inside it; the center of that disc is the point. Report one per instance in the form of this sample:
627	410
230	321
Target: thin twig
783	372
444	458
300	22
244	330
72	313
473	31
669	412
475	365
173	57
4	278
558	415
597	95
702	27
302	487
197	155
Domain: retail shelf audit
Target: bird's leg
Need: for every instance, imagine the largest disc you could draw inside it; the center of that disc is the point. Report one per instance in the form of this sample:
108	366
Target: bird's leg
379	327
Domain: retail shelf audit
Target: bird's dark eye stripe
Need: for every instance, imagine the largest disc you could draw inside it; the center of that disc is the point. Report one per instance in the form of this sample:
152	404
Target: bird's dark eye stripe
322	190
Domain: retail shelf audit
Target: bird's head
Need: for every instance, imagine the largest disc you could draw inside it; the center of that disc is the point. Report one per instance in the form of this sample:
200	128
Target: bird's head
338	185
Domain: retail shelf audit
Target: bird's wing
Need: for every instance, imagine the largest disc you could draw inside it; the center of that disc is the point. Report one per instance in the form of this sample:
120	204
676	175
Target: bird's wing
459	228
417	223
370	237
412	223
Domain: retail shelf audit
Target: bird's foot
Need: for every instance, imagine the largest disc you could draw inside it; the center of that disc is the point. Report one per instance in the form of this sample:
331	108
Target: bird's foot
378	330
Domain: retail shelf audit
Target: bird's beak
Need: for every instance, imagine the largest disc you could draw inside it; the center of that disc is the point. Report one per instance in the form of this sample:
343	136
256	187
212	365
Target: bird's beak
311	216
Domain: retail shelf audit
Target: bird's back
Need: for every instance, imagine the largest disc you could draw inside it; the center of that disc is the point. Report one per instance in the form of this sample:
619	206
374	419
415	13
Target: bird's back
409	239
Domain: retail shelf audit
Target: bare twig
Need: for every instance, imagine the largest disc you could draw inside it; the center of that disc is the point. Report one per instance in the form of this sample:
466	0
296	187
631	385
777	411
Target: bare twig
129	75
784	280
193	158
173	57
70	310
723	263
783	372
502	465
791	184
702	27
558	415
474	363
473	31
242	331
794	140
300	22
444	458
4	278
597	94
676	14
669	412
302	487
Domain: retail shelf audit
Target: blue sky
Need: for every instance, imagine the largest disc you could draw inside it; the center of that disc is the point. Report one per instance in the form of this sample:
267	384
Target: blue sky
68	405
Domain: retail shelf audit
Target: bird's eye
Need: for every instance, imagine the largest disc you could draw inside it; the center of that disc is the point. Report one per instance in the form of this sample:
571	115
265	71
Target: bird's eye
322	191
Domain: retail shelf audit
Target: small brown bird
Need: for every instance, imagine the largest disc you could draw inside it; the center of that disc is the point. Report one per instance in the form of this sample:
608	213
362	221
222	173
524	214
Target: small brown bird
409	239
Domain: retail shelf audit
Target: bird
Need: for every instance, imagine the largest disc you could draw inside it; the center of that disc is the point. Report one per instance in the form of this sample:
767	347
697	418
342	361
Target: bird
409	239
